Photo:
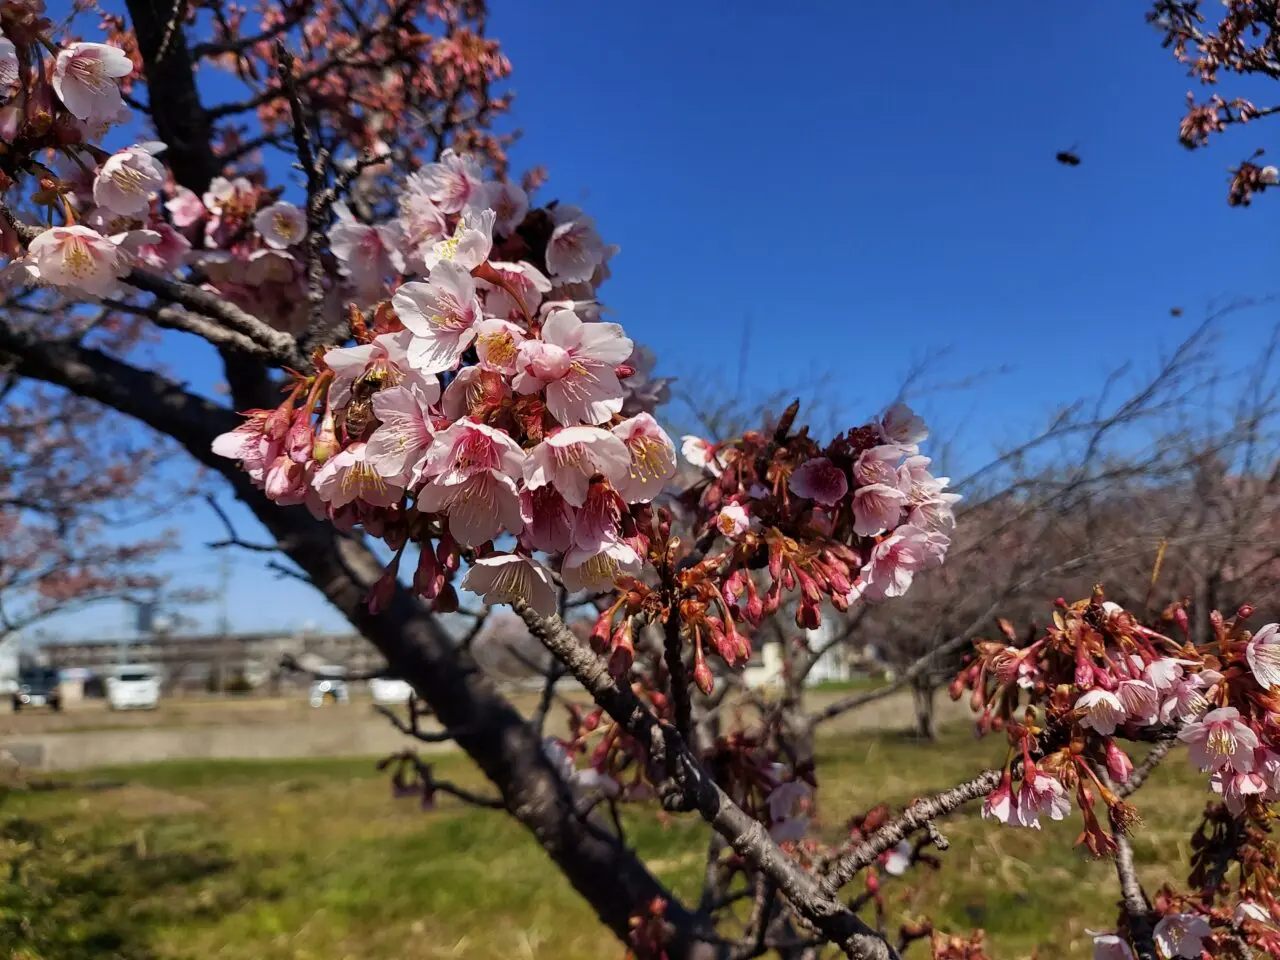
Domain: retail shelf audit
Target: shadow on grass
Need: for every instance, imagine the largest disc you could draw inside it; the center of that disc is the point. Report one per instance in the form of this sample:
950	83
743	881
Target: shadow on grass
102	899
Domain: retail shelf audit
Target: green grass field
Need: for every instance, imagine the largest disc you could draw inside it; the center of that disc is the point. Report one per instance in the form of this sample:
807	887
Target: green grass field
313	859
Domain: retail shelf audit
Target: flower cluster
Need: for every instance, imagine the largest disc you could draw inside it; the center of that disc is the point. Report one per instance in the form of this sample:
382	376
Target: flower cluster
1098	676
481	402
854	520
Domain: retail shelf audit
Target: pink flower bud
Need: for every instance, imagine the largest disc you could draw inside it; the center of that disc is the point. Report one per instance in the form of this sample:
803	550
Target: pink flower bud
299	442
326	444
1119	766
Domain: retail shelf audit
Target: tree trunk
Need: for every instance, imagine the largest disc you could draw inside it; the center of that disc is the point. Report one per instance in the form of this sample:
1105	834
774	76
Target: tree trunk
922	698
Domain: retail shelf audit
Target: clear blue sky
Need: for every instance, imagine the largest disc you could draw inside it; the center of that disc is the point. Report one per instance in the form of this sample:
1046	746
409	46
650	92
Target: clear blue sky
867	187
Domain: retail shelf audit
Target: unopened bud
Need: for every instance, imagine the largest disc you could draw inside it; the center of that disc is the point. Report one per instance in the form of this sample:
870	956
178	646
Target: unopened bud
326	444
426	579
624	370
381	593
299	442
446	599
702	674
1118	763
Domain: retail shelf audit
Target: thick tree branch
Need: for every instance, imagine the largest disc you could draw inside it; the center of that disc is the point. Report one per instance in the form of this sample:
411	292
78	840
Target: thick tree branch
491	730
818	904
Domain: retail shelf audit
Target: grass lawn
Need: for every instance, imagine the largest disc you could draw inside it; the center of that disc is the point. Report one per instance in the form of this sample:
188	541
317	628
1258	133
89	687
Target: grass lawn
313	859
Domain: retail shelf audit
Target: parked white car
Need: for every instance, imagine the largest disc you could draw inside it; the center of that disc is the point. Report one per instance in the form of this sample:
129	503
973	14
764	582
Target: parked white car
134	686
390	690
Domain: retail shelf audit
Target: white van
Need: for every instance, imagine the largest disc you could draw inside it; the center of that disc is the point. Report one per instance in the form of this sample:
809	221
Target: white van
134	686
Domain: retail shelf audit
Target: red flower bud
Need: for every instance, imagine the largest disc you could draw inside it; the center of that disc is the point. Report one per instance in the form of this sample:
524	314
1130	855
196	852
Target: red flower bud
702	674
299	442
624	370
447	599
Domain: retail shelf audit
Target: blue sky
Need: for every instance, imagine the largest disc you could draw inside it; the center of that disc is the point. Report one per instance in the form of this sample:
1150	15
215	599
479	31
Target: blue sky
866	189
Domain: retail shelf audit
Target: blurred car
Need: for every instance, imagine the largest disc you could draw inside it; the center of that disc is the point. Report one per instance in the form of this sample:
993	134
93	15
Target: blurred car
328	688
38	687
134	686
390	690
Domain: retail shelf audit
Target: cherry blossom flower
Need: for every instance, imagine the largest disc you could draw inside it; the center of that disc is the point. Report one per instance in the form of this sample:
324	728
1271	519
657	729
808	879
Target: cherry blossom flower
901	425
999	804
584	569
1042	794
575	250
452	183
1101	711
934	514
166	254
1263	654
441	314
897	859
879	465
821	481
876	507
1220	740
574	363
548	520
498	344
280	225
349	475
185	208
509	203
1140	700
790	805
85	78
1182	935
1267	762
478	507
8	62
653	458
366	254
472	391
1250	910
895	561
523	278
249	444
128	181
506	578
77	258
697	452
421	222
398	447
732	521
467	247
466	449
1164	673
382	360
1235	787
598	521
569	458
1185	702
1107	946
